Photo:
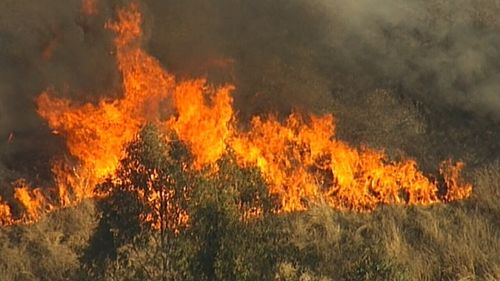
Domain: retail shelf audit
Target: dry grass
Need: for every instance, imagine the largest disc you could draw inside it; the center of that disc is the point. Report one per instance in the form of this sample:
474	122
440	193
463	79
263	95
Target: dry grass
49	249
459	241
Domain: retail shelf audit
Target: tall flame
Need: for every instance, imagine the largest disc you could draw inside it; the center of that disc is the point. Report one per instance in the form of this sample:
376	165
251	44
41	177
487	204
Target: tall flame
300	158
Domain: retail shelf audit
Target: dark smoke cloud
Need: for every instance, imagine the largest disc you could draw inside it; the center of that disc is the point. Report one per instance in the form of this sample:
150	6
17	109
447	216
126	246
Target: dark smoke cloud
273	49
46	44
436	59
281	55
441	50
286	52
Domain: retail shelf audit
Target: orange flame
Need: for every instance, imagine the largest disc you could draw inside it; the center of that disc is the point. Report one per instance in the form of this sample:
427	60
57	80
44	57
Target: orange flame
303	162
5	213
34	201
455	189
300	158
96	134
206	128
89	7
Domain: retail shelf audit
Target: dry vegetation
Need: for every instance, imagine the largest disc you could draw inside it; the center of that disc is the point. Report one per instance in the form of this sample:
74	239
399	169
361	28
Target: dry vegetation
457	241
460	241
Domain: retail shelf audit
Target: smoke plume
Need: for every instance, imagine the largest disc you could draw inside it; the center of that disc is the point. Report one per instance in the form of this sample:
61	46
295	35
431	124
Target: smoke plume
281	55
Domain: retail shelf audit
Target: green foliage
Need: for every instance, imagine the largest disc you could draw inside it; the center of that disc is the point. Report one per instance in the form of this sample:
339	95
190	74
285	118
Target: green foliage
142	216
234	233
153	182
222	219
149	239
133	239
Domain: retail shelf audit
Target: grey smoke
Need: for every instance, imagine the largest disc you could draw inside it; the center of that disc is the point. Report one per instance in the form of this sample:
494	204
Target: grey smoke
440	51
78	66
281	55
444	51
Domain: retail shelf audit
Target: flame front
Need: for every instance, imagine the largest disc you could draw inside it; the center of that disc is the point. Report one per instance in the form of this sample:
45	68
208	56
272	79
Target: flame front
300	158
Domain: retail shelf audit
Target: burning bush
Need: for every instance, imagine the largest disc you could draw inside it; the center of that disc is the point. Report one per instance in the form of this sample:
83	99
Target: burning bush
158	208
300	159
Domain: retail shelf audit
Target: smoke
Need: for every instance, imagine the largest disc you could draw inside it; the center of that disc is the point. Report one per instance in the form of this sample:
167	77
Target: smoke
439	51
271	50
287	53
281	55
47	44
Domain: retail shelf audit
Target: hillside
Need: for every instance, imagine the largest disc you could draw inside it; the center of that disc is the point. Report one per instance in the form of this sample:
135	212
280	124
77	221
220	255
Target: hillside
249	140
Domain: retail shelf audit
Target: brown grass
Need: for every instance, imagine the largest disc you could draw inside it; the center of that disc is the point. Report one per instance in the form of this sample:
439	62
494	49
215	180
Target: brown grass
459	241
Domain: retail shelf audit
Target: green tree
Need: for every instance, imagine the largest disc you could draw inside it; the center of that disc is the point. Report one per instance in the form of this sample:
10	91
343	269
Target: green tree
144	211
225	214
165	221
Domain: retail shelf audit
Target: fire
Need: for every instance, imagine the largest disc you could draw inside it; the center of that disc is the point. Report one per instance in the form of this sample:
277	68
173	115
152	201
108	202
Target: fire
302	162
5	213
300	158
33	203
89	7
205	128
451	174
96	134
